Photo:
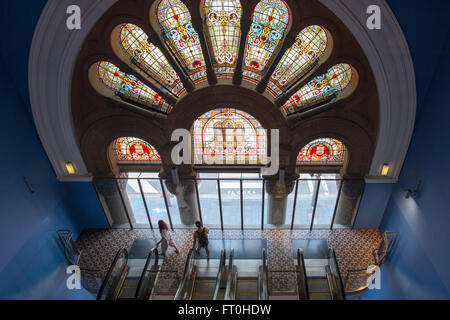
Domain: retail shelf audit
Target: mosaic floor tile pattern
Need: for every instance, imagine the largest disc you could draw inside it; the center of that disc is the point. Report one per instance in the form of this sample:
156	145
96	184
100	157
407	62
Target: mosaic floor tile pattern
353	248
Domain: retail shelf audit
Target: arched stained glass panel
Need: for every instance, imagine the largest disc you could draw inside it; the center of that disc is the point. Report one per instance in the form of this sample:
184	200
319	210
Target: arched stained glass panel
269	23
322	88
322	151
223	18
129	149
130	87
175	20
310	44
229	136
149	58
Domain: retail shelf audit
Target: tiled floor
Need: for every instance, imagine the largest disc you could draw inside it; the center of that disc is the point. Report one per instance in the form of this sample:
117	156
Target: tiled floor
353	247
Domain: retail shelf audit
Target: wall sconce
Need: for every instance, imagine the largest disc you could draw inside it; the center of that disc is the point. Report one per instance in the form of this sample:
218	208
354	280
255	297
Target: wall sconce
70	168
413	193
385	169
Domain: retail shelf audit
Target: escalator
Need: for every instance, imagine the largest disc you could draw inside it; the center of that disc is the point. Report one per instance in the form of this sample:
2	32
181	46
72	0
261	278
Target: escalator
319	279
203	279
247	280
128	279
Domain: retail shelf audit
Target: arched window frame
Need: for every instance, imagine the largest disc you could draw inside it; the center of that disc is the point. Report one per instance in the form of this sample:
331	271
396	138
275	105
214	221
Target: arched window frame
180	35
313	46
108	80
263	34
130	150
257	140
338	83
323	151
222	18
130	43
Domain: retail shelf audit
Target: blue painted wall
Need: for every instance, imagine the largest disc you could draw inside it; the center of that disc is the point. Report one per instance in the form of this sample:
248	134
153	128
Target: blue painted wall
374	202
419	264
32	264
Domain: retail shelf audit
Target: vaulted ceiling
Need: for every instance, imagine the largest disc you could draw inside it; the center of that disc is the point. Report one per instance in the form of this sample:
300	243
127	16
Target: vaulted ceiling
99	120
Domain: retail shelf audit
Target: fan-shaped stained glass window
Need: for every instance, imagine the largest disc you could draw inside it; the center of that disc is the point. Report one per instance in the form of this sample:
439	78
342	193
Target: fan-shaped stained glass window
130	150
310	44
229	136
322	88
129	87
175	20
322	151
223	19
149	58
269	23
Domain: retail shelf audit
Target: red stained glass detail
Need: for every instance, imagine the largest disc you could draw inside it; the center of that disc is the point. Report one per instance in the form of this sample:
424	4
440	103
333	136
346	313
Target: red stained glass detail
254	64
196	64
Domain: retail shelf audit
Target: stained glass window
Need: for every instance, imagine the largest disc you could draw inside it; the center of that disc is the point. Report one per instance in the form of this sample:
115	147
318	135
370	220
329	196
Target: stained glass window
175	20
130	87
129	150
323	87
322	151
149	58
310	44
269	23
223	19
229	136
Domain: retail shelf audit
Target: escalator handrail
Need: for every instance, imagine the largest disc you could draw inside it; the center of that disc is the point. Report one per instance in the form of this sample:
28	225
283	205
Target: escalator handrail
229	293
338	273
186	274
301	263
123	252
220	273
154	252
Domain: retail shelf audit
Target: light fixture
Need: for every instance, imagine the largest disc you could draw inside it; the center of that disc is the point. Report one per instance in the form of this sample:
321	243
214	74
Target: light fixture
413	193
385	169
70	167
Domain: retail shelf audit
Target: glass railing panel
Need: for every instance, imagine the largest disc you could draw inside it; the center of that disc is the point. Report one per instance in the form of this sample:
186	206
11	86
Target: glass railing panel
289	209
348	203
252	197
109	197
137	212
174	210
154	197
305	203
209	202
108	289
326	203
231	203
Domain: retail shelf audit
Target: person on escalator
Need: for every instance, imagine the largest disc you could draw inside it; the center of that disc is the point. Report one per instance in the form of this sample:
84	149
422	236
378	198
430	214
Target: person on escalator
201	238
166	239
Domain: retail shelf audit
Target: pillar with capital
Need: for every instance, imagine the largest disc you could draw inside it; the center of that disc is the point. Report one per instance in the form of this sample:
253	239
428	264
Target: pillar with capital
348	203
277	200
185	193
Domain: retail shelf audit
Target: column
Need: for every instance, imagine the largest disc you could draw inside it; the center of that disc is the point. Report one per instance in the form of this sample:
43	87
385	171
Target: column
349	200
111	201
277	200
186	200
